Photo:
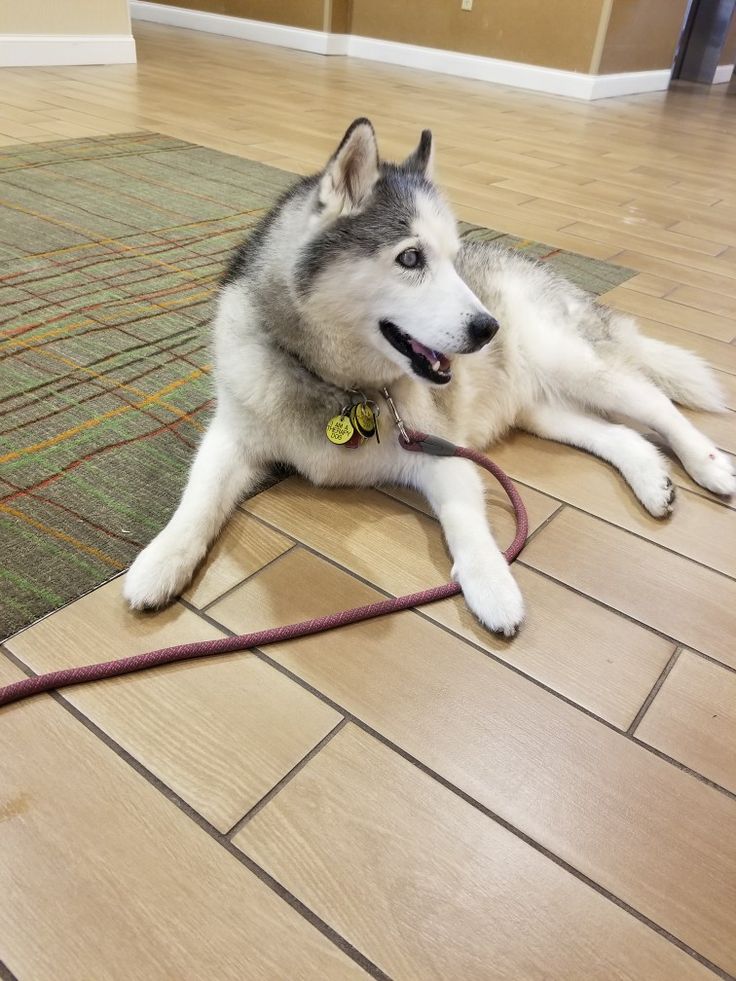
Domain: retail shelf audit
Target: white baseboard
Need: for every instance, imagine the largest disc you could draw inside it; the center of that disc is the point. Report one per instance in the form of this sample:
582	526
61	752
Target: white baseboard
23	50
553	81
318	42
723	74
628	83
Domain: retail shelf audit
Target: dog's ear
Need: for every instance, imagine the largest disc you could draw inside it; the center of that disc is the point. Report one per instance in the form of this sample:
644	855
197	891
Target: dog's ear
351	172
422	159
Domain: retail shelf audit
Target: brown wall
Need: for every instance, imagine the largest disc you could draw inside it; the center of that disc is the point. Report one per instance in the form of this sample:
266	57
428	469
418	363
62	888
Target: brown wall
64	17
578	35
728	55
554	33
642	35
296	13
339	17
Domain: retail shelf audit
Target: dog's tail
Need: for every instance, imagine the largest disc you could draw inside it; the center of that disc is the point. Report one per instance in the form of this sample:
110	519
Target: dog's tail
681	375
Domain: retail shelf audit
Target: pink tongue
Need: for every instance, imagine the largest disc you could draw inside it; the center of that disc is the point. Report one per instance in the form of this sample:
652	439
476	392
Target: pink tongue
426	352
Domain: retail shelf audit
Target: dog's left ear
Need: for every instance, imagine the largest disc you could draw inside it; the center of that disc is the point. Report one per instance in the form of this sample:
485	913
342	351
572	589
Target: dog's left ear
351	172
422	159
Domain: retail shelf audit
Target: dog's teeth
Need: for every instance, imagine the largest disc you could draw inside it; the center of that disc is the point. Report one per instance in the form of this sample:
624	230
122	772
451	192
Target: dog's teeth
436	366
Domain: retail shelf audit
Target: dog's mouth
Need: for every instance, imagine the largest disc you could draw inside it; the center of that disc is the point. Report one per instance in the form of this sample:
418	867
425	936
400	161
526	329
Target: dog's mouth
432	365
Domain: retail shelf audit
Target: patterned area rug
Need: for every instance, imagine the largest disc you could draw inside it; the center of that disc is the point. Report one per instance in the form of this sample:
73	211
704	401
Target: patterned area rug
110	252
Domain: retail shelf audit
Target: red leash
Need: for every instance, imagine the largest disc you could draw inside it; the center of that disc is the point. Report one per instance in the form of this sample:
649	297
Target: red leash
417	442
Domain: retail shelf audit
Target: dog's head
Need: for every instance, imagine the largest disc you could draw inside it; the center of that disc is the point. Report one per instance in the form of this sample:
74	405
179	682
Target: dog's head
378	267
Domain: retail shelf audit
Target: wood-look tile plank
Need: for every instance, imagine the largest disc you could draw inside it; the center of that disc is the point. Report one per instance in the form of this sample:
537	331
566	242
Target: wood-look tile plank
700	529
532	229
720	426
718	326
355	529
103	877
221	732
693	718
607	664
717	353
243	548
633	257
427	886
651	285
665	591
674	250
653	835
723	235
701	299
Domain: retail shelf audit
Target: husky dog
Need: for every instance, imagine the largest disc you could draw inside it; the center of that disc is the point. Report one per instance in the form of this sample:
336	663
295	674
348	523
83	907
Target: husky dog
356	281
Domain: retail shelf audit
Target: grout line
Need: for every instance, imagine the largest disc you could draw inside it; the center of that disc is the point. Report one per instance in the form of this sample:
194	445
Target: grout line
287	778
525	565
654	691
493	656
622	613
684	767
6	974
629	531
297	904
237	585
289	898
492	815
532	534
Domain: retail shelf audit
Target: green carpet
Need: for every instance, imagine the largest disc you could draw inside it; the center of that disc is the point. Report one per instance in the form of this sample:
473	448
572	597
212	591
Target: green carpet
110	252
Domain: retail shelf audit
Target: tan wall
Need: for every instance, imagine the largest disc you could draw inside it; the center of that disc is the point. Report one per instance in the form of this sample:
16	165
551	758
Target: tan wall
577	35
296	13
340	16
728	55
554	33
642	35
64	17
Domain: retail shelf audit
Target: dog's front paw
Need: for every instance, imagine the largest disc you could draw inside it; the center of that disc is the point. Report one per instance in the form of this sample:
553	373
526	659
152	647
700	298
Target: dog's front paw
492	594
712	470
656	491
160	573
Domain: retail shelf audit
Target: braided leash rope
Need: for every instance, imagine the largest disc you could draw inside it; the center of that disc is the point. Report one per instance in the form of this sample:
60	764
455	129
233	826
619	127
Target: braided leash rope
414	441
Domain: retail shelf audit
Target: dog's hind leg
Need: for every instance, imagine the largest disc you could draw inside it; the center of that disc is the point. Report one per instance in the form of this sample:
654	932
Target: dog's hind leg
220	476
455	492
619	391
639	463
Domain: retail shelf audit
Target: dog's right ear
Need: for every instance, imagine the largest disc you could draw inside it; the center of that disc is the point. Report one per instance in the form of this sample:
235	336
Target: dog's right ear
422	159
351	172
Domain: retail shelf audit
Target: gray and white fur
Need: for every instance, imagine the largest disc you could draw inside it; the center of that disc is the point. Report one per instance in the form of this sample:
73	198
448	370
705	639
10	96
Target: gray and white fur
357	280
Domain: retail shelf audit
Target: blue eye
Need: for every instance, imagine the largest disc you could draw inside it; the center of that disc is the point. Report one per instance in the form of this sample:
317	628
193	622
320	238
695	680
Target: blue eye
410	259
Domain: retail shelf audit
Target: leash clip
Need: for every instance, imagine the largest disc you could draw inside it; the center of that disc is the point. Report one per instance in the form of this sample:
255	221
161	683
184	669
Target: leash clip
397	418
419	442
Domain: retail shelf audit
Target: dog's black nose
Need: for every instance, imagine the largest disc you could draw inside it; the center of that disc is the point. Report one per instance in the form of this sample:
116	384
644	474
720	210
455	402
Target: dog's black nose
481	329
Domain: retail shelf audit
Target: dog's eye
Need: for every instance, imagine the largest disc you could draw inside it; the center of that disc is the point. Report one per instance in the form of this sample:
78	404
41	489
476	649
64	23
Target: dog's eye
410	259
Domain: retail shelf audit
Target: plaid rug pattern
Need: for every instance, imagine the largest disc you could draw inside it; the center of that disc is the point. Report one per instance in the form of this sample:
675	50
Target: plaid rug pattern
110	252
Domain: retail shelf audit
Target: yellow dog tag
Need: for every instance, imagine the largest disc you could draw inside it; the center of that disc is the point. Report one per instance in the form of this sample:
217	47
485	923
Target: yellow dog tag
339	430
363	419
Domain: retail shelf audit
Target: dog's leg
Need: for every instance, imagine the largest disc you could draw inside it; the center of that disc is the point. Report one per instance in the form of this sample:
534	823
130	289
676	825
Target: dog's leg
630	395
640	464
220	475
455	492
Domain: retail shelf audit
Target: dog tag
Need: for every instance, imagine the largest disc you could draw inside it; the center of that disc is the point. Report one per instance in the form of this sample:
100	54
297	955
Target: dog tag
363	418
340	430
355	440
